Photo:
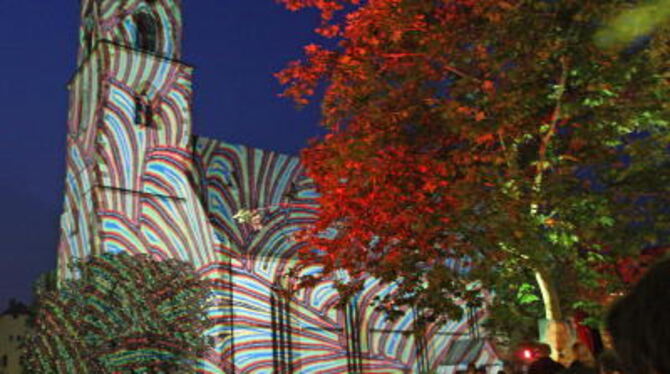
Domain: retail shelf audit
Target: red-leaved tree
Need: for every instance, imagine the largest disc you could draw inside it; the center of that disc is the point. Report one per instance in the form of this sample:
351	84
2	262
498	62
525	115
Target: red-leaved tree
493	133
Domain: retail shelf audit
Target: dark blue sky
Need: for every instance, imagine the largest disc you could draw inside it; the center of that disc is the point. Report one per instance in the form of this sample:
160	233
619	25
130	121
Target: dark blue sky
235	47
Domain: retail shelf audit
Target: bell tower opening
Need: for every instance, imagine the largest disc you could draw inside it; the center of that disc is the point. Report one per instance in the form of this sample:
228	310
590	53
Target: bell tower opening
88	38
87	33
152	26
146	35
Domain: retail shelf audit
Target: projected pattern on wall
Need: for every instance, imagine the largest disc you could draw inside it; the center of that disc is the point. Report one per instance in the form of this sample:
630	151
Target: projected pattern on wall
139	182
306	333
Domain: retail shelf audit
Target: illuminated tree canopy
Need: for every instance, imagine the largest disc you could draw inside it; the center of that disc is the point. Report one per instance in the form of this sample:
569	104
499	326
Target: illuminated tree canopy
122	314
493	133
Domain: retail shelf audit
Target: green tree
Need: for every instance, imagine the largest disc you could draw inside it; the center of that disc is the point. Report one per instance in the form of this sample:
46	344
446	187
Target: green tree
496	133
637	20
120	314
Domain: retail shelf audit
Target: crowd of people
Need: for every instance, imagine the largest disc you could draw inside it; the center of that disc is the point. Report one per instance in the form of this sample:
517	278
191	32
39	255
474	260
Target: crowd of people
583	362
639	325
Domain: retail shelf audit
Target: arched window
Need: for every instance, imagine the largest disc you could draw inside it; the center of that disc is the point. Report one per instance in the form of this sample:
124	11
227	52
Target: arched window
87	43
282	332
88	37
143	112
147	31
352	326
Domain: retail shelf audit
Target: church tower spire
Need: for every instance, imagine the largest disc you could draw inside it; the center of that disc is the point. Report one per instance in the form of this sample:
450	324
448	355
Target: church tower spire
131	180
129	136
152	26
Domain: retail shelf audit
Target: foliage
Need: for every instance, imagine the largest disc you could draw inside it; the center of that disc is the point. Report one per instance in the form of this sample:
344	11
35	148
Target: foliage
121	314
633	23
492	133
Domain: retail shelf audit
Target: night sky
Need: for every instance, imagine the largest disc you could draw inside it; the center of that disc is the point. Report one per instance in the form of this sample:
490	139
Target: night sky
235	46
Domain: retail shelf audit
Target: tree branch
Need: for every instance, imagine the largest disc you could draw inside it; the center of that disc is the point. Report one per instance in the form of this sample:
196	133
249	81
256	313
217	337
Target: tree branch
546	139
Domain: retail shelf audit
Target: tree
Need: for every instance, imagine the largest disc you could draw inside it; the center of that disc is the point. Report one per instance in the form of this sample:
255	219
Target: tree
633	23
120	314
492	133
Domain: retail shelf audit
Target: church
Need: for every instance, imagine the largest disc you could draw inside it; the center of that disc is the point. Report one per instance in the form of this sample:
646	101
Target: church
139	181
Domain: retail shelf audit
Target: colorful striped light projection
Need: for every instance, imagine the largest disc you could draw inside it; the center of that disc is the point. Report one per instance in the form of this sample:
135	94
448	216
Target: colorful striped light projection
139	182
306	333
116	21
121	314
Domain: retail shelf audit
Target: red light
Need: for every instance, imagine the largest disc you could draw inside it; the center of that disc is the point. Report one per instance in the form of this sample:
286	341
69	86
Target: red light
526	353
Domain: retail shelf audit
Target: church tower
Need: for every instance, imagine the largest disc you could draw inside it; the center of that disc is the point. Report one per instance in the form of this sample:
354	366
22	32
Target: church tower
129	161
131	183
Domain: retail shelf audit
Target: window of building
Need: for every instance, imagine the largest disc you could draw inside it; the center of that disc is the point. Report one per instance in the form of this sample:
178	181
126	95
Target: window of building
282	333
87	43
143	112
4	361
147	31
75	221
353	334
88	31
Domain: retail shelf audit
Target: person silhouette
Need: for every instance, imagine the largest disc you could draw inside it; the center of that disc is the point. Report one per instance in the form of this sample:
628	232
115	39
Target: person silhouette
639	323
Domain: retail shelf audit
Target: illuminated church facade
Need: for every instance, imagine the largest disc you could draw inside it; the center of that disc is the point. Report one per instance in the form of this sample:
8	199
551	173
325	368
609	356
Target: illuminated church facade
139	181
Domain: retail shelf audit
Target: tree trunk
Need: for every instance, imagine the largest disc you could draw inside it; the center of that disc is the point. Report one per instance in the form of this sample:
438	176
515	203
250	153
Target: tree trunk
552	309
557	333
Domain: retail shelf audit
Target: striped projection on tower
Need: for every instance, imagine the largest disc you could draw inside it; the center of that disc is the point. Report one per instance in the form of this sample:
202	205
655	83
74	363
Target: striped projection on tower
139	182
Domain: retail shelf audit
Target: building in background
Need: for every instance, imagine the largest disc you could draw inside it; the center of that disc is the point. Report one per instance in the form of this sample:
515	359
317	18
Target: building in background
139	181
13	328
